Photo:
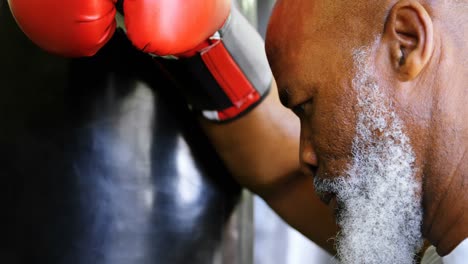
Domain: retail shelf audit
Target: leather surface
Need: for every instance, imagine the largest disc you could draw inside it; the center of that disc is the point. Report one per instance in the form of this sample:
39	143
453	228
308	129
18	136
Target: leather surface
71	28
171	27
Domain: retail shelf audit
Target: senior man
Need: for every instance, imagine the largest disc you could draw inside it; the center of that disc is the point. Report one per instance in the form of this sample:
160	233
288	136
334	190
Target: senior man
380	91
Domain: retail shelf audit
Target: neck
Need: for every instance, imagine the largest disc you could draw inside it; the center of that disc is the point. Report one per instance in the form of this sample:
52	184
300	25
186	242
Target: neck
446	223
445	200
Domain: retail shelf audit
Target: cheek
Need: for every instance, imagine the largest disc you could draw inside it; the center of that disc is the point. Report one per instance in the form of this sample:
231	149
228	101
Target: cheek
421	143
333	126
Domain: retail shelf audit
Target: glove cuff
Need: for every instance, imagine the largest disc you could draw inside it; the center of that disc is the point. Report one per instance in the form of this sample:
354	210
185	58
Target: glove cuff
229	73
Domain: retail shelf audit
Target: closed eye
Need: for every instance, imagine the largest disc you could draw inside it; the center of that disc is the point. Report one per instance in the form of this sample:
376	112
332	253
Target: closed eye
299	109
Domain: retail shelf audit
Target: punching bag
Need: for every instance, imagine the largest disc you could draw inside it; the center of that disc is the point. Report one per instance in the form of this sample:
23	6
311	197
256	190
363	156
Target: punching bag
101	162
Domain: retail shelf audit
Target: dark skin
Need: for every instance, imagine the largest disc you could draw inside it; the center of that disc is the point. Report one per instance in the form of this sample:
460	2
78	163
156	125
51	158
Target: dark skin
421	61
261	150
422	65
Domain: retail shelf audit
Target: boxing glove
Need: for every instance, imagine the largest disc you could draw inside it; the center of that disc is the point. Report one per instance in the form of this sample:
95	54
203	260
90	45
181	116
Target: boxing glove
171	27
72	28
224	55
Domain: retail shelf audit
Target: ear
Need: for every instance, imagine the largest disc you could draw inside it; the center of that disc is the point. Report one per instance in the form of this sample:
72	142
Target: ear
409	34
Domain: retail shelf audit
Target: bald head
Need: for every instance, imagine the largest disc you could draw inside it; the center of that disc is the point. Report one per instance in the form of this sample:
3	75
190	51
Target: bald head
348	24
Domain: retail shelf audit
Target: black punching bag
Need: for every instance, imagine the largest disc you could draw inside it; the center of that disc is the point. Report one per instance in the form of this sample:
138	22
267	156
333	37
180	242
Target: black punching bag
100	161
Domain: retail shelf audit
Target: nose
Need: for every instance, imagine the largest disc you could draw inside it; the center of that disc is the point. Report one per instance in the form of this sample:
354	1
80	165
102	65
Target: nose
307	155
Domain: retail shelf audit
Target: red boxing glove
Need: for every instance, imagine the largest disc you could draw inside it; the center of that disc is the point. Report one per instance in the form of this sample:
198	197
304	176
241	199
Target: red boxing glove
223	53
171	27
72	28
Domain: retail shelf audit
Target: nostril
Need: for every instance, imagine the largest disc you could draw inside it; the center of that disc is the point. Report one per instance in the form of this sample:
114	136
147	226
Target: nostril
314	170
308	169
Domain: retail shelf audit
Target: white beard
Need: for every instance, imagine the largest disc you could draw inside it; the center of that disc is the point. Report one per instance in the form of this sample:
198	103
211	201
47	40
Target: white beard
379	198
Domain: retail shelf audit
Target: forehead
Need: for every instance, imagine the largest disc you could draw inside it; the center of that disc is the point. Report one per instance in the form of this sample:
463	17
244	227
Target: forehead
294	21
290	24
298	45
311	41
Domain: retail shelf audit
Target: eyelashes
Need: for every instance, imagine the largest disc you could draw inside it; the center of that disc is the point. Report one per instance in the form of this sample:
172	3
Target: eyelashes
299	109
303	109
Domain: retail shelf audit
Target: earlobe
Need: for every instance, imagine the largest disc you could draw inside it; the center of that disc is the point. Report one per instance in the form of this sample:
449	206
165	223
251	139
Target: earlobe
409	34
